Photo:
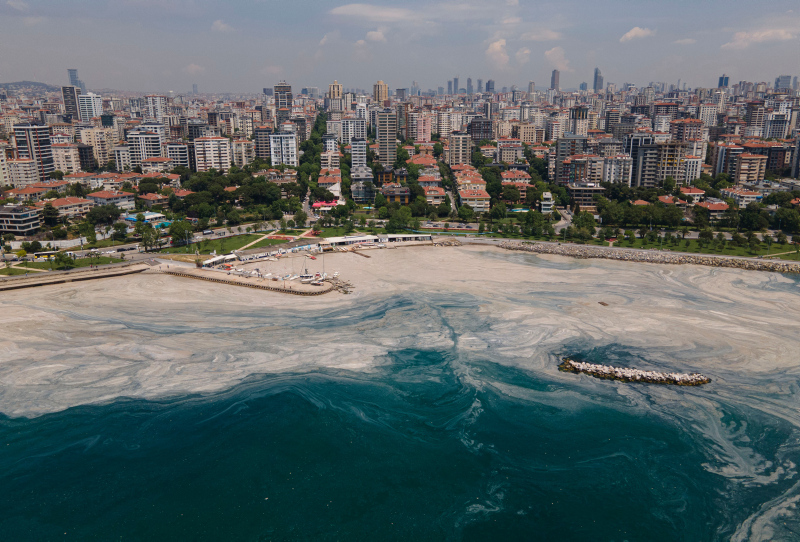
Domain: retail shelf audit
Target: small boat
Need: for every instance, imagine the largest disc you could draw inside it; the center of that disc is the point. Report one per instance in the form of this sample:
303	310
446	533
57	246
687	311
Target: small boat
316	283
295	277
313	257
307	281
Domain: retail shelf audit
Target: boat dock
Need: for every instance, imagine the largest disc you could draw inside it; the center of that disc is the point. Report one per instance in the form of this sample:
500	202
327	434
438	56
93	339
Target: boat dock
623	374
61	277
260	283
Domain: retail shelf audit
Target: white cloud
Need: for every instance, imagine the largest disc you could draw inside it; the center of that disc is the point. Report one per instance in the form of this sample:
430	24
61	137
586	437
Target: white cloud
376	35
496	53
512	2
686	41
511	20
194	69
31	21
523	55
220	26
742	40
271	70
19	5
636	33
375	13
558	58
361	43
544	34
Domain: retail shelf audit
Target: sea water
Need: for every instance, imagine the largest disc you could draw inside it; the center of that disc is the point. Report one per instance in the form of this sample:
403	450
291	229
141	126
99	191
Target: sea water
432	418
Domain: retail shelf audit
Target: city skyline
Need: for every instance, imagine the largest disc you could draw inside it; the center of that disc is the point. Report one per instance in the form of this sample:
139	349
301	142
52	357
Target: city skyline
122	45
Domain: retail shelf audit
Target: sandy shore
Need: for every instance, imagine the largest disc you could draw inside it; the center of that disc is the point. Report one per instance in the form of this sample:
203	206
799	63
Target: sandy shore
151	335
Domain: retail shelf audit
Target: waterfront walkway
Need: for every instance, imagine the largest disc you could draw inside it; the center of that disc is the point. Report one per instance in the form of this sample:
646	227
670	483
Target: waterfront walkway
284	286
16	282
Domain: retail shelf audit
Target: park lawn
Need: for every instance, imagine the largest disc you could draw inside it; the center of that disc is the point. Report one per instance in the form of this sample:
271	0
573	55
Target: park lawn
268	243
339	232
11	271
80	262
220	245
729	249
105	243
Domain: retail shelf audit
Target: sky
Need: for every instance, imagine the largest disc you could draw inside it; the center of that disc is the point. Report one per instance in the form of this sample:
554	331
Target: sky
242	46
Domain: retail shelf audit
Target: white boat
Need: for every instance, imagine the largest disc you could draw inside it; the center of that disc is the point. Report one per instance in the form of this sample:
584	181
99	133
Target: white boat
307	281
316	283
295	277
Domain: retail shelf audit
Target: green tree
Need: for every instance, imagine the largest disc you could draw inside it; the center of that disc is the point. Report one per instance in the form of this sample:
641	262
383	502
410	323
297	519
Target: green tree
300	218
50	215
466	214
181	232
120	231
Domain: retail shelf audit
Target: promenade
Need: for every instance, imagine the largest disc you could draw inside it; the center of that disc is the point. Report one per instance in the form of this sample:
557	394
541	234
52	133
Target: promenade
653	256
61	277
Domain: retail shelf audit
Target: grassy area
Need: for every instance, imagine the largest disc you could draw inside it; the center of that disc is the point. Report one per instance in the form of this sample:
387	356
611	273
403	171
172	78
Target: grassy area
11	271
105	243
80	262
729	250
221	245
268	243
339	232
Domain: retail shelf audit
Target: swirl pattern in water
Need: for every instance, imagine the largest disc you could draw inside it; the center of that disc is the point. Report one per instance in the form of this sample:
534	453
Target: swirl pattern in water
428	405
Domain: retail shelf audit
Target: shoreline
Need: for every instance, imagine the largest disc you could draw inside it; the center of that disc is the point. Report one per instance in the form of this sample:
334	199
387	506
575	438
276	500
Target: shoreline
658	257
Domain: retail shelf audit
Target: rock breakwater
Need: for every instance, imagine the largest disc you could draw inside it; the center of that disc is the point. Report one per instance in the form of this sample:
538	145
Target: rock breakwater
643	256
623	374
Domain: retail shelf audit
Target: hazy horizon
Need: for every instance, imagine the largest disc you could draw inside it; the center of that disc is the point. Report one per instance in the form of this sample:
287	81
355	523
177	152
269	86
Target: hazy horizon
243	46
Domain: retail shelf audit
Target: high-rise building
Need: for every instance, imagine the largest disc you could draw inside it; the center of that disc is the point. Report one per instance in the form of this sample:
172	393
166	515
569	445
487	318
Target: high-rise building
212	152
583	86
143	144
456	90
75	81
554	80
261	137
723	81
335	90
783	82
380	93
194	89
33	143
531	89
358	152
283	148
90	106
469	86
480	86
490	86
387	136
70	95
460	145
283	102
449	88
156	107
598	80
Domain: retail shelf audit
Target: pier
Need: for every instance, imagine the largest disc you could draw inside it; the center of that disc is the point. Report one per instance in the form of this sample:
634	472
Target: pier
286	287
624	374
61	277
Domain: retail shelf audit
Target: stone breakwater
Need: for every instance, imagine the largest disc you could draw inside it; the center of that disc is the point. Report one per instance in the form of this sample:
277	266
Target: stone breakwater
586	252
624	374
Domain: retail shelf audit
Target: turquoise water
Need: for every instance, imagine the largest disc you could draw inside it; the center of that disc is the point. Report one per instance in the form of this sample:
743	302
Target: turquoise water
457	426
412	451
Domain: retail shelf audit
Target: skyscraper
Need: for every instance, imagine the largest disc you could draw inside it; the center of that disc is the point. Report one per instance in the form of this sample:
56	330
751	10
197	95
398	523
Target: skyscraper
490	86
283	102
783	82
194	89
449	87
156	107
531	89
90	106
723	81
335	90
387	136
380	92
455	85
480	86
33	143
554	80
70	95
598	80
74	80
469	86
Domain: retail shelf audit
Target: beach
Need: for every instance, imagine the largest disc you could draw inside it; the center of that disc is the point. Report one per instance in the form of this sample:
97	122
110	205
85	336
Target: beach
501	320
